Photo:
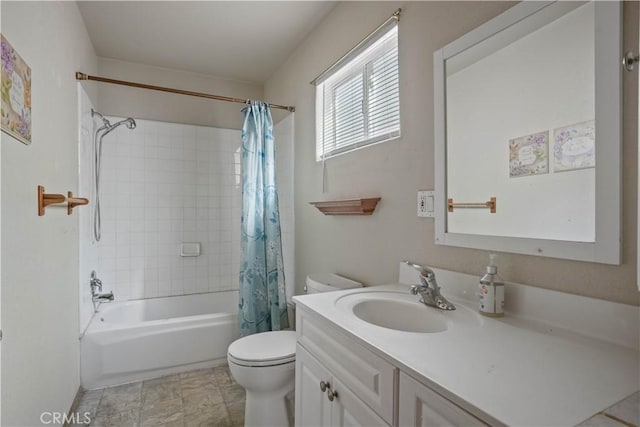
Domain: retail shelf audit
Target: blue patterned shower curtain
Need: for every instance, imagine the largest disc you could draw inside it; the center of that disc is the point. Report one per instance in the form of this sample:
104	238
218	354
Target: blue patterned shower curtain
263	304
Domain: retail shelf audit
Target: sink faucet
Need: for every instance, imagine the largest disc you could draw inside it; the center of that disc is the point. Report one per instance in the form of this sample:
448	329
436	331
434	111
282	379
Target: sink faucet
429	289
97	297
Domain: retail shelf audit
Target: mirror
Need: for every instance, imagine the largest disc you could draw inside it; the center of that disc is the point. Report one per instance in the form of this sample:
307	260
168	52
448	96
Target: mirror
528	133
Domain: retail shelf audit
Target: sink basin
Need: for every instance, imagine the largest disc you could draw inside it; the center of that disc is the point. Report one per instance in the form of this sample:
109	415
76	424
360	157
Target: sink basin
404	312
400	315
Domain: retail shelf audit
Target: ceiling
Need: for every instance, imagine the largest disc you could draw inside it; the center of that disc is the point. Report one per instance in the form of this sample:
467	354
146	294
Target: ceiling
241	40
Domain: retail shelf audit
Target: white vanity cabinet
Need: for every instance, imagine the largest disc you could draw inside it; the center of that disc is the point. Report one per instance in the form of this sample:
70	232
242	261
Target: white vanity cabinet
335	406
341	383
364	383
419	406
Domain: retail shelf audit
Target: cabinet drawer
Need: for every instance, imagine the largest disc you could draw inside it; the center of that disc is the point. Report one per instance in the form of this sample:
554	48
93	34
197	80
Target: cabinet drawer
369	377
422	407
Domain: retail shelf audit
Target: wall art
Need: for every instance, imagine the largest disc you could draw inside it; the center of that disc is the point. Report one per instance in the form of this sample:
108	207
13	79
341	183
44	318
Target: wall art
529	155
16	94
574	147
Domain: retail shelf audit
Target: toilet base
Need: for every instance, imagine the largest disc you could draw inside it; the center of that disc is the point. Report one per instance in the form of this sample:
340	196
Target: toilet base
267	388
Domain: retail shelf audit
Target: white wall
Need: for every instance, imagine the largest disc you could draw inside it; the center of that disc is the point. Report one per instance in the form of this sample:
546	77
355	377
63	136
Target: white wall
369	248
538	83
283	136
40	352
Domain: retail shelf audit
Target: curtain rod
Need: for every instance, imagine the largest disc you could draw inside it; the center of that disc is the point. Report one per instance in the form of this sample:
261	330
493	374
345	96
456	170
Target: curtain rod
83	76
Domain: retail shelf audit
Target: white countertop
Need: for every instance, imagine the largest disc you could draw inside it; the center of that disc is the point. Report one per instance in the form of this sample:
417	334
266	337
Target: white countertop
510	370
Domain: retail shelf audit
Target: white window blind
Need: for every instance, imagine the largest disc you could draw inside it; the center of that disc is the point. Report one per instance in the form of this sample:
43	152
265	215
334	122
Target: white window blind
358	99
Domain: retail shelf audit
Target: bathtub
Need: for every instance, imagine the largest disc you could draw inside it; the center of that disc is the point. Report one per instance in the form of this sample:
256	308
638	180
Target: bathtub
136	340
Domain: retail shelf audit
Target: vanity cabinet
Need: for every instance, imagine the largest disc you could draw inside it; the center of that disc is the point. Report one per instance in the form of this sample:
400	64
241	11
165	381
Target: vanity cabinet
322	400
363	382
419	406
339	382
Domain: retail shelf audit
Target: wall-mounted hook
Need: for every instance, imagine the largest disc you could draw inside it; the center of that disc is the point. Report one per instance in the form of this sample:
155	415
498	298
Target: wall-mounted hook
629	60
45	199
72	202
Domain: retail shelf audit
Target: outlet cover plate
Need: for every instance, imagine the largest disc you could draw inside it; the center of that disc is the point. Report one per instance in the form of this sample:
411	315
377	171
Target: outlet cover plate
426	200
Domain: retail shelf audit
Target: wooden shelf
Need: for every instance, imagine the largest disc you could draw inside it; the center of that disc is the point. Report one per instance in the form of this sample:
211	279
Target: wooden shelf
347	207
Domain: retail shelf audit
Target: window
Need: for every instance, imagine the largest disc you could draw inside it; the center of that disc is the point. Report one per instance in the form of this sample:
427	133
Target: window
358	98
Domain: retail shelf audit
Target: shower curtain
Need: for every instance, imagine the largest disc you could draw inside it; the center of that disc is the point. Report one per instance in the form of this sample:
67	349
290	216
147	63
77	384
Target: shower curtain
263	303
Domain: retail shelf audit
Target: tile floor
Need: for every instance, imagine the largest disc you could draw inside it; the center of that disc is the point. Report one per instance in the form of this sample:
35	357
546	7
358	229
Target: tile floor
206	397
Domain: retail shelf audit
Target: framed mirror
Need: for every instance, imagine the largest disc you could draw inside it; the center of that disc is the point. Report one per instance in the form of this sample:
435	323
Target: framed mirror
528	131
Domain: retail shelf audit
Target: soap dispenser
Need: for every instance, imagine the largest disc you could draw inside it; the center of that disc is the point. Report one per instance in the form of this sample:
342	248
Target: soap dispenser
491	291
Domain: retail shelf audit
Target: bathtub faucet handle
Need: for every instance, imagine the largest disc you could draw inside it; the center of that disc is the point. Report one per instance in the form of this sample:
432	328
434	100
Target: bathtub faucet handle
97	297
95	283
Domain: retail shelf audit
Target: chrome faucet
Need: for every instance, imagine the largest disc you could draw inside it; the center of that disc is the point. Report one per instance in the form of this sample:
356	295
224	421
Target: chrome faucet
97	297
429	289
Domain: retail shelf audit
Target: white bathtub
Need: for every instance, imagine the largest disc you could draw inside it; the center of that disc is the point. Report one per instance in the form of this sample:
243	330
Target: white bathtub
135	340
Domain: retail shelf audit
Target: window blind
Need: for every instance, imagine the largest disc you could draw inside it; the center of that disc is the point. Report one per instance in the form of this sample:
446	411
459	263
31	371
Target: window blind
358	99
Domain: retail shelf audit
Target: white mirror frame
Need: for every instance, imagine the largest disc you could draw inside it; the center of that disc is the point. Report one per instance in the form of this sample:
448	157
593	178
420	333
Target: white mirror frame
638	192
608	117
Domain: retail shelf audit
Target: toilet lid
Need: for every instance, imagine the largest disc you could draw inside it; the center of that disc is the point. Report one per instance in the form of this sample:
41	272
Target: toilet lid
264	349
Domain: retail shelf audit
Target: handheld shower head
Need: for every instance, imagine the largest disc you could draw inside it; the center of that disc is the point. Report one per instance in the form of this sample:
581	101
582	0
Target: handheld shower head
108	127
131	124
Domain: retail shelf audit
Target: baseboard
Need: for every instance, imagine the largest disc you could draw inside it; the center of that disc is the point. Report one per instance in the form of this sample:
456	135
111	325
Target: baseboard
74	404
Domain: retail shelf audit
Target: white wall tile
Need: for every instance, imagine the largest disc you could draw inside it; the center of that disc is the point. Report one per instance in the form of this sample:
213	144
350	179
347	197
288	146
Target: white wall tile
164	184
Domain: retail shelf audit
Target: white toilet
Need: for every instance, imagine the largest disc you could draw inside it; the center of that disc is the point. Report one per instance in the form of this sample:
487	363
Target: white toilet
264	364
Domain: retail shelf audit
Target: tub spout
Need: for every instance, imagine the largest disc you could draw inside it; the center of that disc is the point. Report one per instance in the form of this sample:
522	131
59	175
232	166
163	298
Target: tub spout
105	297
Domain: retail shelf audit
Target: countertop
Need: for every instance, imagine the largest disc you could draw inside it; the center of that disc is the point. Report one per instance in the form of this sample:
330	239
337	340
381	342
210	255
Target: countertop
510	370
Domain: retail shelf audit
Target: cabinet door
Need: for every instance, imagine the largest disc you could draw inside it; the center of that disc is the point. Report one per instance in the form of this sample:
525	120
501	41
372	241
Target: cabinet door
313	408
349	410
422	407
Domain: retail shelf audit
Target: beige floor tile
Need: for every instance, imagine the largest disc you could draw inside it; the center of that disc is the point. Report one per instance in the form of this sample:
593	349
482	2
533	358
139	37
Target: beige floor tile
165	388
202	401
233	394
197	382
205	397
223	376
216	415
89	403
121	398
161	412
236	411
129	418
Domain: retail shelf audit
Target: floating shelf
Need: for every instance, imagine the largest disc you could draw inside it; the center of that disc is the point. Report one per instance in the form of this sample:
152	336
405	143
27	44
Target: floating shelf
347	207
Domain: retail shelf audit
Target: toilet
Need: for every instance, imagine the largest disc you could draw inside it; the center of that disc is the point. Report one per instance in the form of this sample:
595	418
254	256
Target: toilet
264	363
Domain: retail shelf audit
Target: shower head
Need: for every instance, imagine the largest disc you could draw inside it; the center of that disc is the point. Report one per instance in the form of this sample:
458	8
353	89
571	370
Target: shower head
108	127
131	124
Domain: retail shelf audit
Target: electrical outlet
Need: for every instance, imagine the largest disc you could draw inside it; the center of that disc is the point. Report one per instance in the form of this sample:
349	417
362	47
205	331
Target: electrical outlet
425	204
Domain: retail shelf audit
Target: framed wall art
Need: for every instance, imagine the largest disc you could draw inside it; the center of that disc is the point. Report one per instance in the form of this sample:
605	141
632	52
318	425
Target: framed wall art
574	147
529	155
16	94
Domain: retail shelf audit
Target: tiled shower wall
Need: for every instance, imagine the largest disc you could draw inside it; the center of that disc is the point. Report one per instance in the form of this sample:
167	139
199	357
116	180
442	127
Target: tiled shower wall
163	184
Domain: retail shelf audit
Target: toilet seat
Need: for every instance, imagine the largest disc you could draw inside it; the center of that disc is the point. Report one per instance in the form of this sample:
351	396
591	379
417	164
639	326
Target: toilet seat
264	349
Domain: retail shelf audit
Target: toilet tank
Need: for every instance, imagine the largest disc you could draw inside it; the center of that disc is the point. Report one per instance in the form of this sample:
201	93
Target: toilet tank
327	282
